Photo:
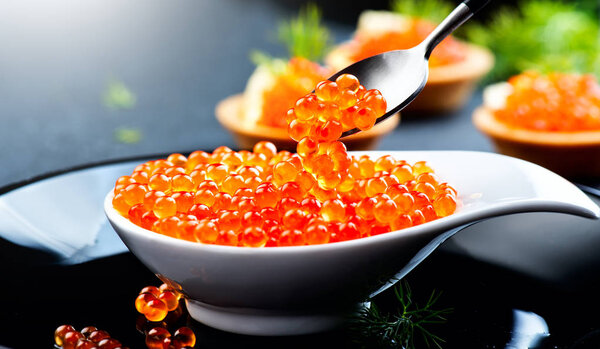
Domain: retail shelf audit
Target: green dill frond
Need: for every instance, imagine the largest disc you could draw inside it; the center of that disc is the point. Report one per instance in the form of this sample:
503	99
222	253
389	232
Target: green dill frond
275	65
541	35
305	36
128	135
117	96
399	327
433	10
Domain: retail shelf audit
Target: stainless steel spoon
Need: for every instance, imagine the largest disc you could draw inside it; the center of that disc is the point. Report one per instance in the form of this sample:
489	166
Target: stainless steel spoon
401	75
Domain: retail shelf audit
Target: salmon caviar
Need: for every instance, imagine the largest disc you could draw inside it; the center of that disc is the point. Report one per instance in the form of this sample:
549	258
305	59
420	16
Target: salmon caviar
555	102
155	303
299	77
160	338
184	337
268	198
66	337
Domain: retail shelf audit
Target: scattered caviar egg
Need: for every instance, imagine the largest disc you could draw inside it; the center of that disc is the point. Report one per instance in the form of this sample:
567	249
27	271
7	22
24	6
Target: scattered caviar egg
109	343
60	332
98	335
156	310
184	337
269	198
142	300
85	344
66	337
71	338
155	303
156	336
86	331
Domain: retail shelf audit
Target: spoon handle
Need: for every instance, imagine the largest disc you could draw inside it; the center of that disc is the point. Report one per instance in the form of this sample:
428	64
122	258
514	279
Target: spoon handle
476	5
460	15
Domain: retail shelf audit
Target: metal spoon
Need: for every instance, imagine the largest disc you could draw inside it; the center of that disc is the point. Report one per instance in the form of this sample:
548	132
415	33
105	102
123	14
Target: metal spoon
401	75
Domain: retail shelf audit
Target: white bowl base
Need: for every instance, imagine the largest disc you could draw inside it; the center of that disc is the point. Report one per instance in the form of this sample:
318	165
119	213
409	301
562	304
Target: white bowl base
261	322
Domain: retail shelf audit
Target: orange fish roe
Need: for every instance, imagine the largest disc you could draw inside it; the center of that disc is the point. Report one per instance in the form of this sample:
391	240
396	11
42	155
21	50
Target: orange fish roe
554	102
299	78
270	198
66	337
366	45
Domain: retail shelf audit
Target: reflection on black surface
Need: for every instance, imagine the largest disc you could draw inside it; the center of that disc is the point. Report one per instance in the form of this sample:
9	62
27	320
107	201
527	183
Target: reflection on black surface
12	254
529	330
590	340
483	298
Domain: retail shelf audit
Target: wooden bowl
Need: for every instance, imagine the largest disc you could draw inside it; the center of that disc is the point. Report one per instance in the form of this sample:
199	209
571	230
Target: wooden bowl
448	88
229	112
570	154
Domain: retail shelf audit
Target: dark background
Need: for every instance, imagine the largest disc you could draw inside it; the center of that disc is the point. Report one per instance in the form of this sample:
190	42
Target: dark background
179	58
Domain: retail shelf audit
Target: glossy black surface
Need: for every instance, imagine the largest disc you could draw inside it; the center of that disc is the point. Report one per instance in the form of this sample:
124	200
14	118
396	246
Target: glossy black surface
37	299
180	58
43	290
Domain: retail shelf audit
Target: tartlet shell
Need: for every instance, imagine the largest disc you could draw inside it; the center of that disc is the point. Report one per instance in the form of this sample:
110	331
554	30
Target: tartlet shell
570	154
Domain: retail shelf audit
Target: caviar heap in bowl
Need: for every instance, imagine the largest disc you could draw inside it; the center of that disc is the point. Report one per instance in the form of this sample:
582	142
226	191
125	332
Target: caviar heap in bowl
259	113
274	243
288	290
550	119
455	67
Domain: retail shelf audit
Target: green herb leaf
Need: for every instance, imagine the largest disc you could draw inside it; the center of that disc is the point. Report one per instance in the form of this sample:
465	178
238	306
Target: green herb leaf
276	65
433	10
373	327
117	96
305	36
128	135
541	35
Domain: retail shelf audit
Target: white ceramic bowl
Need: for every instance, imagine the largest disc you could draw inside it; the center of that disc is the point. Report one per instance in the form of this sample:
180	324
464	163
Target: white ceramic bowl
304	289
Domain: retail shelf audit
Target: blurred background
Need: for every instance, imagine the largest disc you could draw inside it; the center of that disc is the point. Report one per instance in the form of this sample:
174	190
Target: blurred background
89	81
93	81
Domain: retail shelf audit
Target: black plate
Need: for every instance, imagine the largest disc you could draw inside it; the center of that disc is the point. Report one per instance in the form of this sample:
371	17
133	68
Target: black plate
493	307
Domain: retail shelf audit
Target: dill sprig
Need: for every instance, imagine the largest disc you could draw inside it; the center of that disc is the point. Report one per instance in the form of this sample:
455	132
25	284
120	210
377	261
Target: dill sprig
128	135
543	35
117	96
275	65
401	327
433	10
305	36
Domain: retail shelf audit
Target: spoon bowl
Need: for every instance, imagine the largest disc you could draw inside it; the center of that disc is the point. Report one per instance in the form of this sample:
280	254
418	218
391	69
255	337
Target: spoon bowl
401	75
305	289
